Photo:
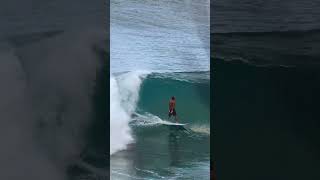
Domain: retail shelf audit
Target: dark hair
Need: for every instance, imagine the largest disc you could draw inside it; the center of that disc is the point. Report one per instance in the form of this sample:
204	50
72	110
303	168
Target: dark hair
172	97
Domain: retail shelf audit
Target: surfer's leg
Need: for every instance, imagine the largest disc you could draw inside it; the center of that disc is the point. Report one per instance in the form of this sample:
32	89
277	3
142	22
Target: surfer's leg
176	118
175	115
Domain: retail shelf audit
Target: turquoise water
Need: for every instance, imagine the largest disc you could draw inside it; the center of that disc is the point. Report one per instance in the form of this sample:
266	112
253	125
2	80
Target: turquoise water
159	49
191	95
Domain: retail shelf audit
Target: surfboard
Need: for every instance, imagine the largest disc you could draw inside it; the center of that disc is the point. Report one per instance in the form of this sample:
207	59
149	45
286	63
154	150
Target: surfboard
175	126
172	123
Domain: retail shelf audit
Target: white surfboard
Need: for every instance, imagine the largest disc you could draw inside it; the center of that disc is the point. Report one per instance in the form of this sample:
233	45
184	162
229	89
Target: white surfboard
168	123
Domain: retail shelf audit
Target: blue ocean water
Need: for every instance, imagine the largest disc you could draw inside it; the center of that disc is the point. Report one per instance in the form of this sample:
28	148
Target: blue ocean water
160	35
265	56
159	49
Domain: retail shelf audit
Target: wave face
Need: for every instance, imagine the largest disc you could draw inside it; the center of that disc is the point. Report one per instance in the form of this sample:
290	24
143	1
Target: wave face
190	89
139	107
141	99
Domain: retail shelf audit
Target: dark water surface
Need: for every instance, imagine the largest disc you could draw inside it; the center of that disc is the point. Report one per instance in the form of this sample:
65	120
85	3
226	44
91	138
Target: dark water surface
264	16
265	71
53	64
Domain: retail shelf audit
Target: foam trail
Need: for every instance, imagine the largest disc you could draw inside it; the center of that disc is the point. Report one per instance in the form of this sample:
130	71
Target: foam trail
203	129
124	95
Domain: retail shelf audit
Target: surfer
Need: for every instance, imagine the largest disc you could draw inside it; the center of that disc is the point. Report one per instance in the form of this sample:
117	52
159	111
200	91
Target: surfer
172	108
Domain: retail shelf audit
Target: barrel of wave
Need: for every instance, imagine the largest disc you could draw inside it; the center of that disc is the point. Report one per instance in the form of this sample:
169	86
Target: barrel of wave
192	92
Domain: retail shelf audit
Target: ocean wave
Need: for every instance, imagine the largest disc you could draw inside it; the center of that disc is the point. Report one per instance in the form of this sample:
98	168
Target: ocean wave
192	92
124	95
139	98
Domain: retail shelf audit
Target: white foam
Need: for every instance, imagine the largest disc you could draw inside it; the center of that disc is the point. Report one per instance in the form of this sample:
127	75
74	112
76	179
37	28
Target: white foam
148	119
203	129
124	95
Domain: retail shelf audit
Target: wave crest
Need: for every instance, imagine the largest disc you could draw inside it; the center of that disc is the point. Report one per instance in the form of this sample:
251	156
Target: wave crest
124	95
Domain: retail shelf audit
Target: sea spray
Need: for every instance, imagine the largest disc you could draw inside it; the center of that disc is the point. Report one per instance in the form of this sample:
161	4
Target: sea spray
124	95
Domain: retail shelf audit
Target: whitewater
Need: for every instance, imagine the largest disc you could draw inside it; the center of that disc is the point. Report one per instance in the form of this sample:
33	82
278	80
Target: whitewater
124	94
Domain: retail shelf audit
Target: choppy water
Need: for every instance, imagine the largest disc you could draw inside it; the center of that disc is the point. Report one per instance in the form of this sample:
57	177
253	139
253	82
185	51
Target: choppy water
159	35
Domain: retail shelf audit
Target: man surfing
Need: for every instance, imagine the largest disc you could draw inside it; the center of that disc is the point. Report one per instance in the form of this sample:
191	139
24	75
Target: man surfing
172	108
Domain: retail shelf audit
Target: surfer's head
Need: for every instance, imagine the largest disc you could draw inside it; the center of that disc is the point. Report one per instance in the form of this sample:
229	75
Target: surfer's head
173	98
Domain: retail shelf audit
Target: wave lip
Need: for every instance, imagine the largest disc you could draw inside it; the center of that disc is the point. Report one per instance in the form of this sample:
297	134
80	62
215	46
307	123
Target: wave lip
124	95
